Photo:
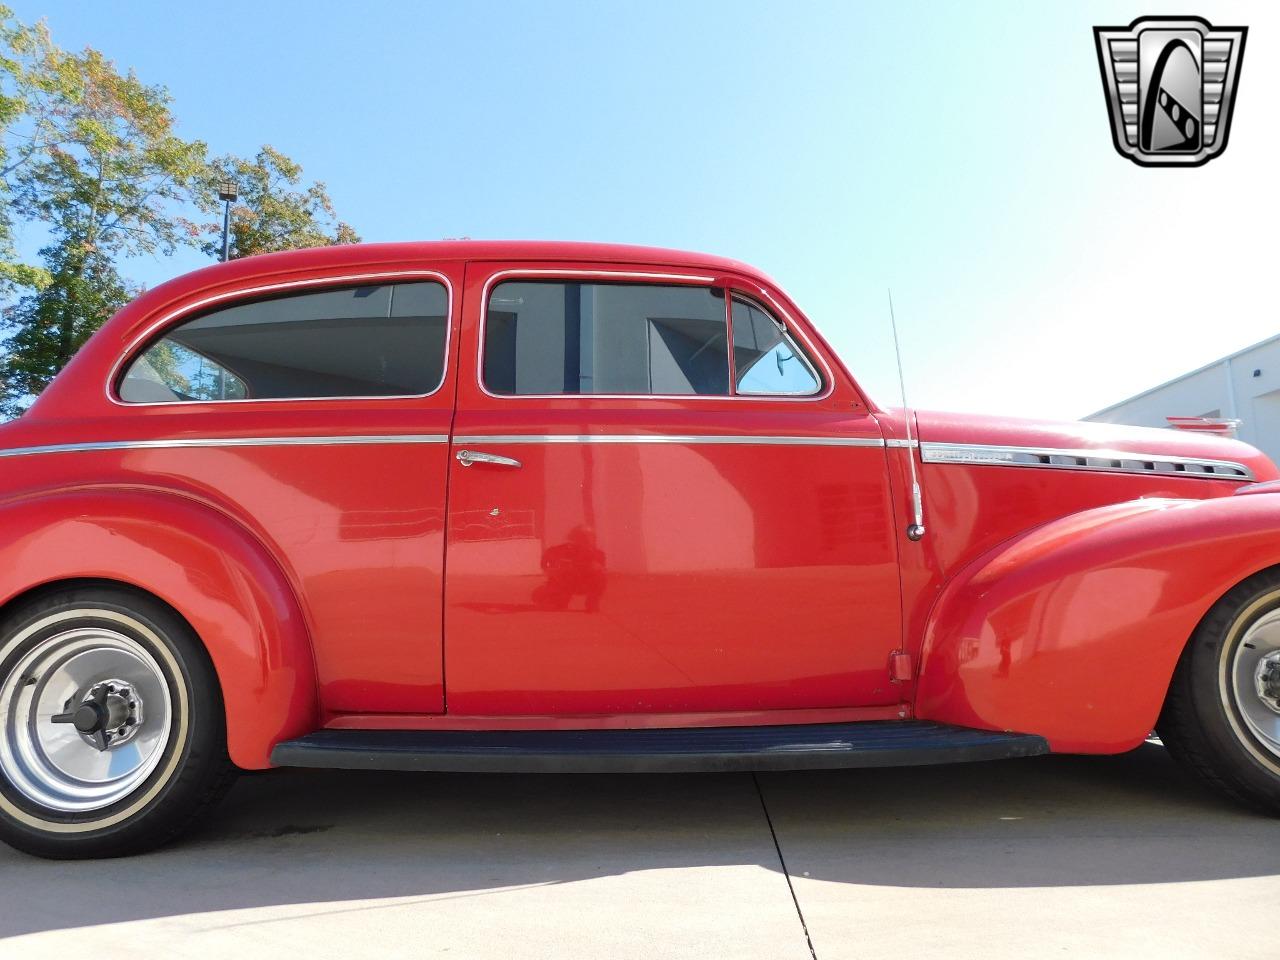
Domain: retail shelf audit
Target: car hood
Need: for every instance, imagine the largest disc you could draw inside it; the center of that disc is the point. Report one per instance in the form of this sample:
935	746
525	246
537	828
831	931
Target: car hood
1047	435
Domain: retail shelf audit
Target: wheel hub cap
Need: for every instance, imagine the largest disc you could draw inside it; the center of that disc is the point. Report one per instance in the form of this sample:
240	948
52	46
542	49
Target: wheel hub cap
86	715
1255	680
1267	680
110	714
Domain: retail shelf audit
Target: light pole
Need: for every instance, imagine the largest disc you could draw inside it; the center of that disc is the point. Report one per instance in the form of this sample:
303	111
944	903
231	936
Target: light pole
227	193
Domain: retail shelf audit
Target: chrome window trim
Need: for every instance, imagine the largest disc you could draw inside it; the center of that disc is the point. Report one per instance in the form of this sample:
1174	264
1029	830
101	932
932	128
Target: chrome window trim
685	438
130	353
622	276
168	444
979	454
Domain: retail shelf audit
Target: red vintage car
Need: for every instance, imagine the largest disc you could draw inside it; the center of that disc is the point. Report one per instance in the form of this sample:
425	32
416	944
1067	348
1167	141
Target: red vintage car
472	506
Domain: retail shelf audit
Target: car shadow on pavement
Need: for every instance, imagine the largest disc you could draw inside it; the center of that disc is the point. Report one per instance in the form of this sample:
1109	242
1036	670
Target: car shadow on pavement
327	838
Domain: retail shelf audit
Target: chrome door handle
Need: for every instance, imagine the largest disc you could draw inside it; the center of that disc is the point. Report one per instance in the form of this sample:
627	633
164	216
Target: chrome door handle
468	457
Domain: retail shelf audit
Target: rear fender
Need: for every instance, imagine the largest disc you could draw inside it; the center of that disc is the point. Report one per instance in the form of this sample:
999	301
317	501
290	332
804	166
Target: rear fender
205	565
1072	630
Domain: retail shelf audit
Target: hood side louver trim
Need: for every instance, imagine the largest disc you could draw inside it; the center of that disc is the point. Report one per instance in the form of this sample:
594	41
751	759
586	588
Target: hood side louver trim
1110	461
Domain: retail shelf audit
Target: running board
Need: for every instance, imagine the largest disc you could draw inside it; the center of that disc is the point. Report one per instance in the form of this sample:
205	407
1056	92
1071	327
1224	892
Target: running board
888	743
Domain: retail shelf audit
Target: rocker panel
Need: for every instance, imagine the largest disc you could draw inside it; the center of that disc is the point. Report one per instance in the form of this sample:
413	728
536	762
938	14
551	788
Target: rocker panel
707	749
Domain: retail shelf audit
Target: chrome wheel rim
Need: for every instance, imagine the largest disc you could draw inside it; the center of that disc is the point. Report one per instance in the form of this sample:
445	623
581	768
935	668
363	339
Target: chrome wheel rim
1255	680
86	717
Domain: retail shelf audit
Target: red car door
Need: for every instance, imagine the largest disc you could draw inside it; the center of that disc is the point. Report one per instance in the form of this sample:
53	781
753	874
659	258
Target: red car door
643	521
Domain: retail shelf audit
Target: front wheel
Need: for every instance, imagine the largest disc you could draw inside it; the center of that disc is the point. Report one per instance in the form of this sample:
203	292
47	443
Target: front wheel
112	735
1222	716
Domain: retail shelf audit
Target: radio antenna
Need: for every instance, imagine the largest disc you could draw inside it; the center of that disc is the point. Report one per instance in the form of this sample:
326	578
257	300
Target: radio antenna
916	528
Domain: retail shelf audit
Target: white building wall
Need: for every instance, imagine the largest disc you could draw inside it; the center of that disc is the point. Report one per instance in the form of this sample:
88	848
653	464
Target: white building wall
1244	386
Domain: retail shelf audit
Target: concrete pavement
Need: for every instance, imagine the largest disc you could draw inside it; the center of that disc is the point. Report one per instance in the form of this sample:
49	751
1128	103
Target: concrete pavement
1060	856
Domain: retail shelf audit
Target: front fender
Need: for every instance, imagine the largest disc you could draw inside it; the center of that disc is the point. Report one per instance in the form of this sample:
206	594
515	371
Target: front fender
205	565
1072	630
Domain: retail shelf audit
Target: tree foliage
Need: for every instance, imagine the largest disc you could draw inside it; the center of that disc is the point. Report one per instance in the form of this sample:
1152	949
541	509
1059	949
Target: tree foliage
20	81
104	167
48	325
95	160
275	210
90	156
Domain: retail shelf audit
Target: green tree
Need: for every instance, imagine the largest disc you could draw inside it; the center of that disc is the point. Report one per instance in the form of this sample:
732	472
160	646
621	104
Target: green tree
48	325
110	171
21	51
91	157
275	210
100	167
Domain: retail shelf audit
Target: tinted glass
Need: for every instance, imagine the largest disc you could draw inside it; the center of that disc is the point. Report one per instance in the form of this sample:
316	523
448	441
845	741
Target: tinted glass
559	337
767	361
354	342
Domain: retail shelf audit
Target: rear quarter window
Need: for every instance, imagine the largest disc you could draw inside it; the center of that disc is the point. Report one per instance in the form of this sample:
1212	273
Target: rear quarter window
367	341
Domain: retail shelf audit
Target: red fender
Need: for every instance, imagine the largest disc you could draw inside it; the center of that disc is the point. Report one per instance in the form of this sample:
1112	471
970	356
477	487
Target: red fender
1072	630
205	565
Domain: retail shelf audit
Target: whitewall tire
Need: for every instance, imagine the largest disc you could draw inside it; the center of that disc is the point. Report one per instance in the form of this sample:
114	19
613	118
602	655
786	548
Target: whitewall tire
112	733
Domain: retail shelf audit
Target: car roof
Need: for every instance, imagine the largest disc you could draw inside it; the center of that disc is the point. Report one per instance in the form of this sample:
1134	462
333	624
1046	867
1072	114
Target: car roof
311	261
314	260
348	255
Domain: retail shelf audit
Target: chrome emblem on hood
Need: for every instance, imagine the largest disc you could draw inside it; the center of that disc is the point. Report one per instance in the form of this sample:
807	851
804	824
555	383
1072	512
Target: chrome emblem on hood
1113	461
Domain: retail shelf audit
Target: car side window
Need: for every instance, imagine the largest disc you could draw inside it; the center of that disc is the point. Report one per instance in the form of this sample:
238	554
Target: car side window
370	341
767	362
568	337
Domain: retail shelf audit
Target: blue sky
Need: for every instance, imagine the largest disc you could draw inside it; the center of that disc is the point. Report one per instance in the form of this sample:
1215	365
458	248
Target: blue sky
958	153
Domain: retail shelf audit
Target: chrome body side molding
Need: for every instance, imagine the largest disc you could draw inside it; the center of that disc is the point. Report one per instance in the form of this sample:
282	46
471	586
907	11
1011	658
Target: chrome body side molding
1114	461
221	442
690	438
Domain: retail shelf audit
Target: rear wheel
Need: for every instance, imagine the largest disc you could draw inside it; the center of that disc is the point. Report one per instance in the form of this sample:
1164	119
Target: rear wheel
112	735
1222	715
